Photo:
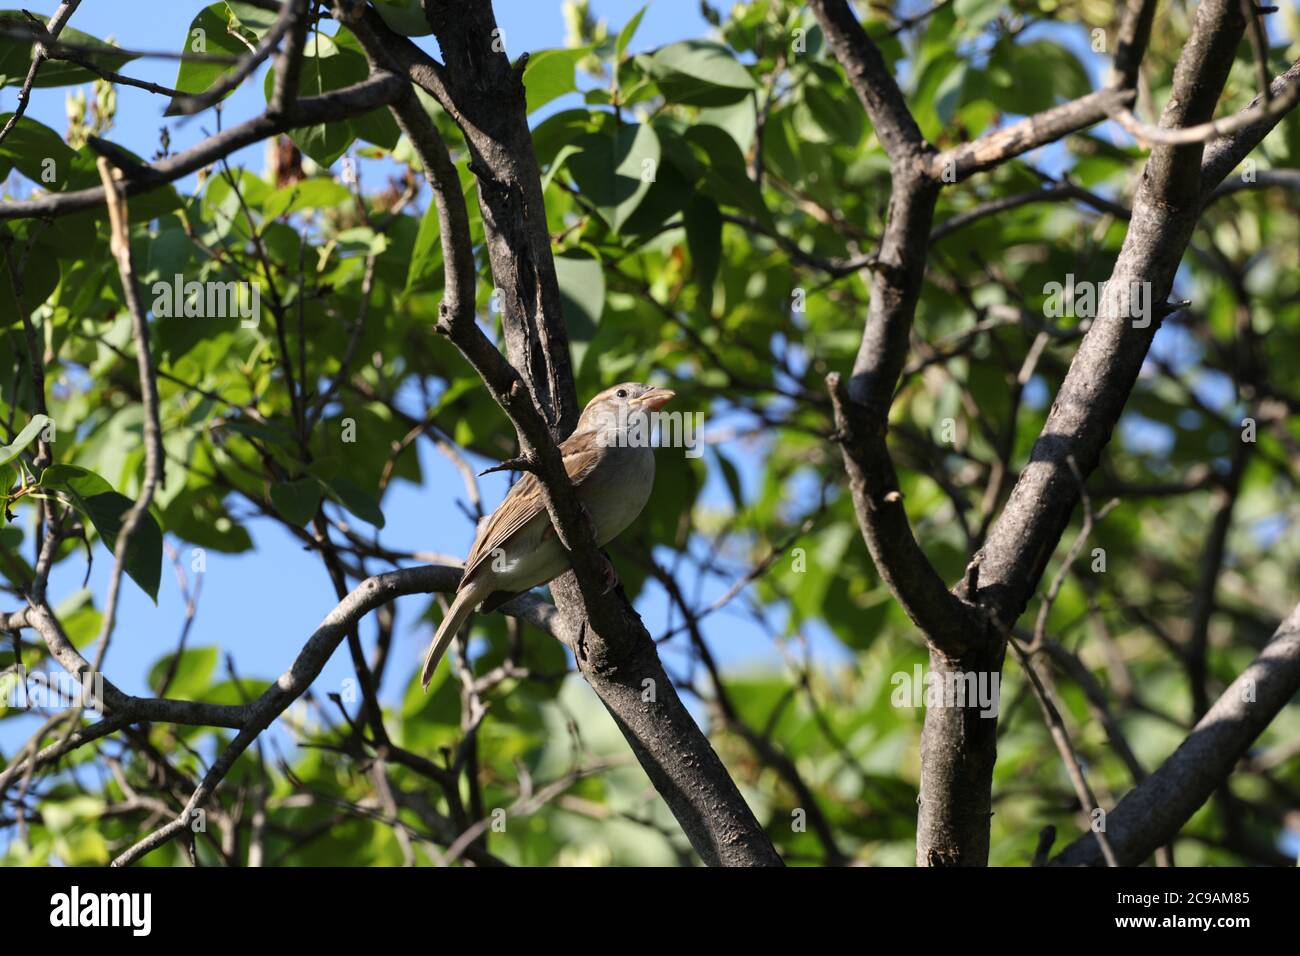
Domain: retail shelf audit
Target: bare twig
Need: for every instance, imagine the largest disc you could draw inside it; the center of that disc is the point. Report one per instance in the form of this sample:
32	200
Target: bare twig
40	53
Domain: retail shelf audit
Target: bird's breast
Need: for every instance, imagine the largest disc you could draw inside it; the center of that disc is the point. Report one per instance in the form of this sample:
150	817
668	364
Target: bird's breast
617	489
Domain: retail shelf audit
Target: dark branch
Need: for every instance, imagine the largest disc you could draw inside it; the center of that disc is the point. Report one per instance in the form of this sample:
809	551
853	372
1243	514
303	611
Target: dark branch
1153	813
376	91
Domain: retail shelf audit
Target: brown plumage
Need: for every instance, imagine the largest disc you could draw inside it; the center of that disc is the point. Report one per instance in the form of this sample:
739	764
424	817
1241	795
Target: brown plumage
516	547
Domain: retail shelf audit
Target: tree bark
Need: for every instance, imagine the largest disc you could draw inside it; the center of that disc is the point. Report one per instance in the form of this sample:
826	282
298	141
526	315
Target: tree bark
484	94
1153	813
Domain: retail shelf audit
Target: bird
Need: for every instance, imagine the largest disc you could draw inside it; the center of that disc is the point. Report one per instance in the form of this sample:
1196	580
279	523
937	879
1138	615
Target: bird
608	459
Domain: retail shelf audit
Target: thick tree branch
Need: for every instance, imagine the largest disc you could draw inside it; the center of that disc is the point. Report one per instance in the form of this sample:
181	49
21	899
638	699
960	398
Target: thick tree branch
1106	365
1153	812
940	615
871	80
958	744
613	649
958	750
861	412
993	149
483	92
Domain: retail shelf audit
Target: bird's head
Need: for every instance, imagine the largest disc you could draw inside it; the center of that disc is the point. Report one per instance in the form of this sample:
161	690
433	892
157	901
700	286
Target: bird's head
617	407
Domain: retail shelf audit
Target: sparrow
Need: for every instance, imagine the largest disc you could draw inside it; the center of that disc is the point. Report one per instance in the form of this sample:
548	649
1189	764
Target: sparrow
609	461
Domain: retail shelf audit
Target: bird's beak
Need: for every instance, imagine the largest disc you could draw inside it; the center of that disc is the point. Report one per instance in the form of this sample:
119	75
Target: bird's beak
655	399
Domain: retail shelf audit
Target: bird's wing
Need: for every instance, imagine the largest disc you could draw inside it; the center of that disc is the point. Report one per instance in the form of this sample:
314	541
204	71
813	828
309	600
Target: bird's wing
525	502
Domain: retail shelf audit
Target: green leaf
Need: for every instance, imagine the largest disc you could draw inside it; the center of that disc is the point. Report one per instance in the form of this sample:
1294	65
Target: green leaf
169	253
977	13
555	132
73	824
557	164
200	519
25	437
326	66
38	153
424	273
211	33
80	619
362	239
404	16
297	500
316	193
1039	74
266	433
223	206
700	73
704	239
235	692
732	477
550	74
582	293
361	503
727	178
625	35
947	96
16	57
193	673
142	207
827	553
378	126
614	172
251	19
12	564
95	498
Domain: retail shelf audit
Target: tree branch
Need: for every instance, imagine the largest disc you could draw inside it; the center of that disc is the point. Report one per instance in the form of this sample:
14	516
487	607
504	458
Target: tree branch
1153	812
292	18
375	91
1222	156
615	653
871	80
1106	365
1266	111
40	53
992	149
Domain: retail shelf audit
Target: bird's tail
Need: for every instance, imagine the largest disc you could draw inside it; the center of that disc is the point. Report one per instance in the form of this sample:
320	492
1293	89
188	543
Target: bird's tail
461	608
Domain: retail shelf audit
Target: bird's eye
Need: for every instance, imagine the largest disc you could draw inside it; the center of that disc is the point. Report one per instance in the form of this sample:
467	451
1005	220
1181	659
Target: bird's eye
621	393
